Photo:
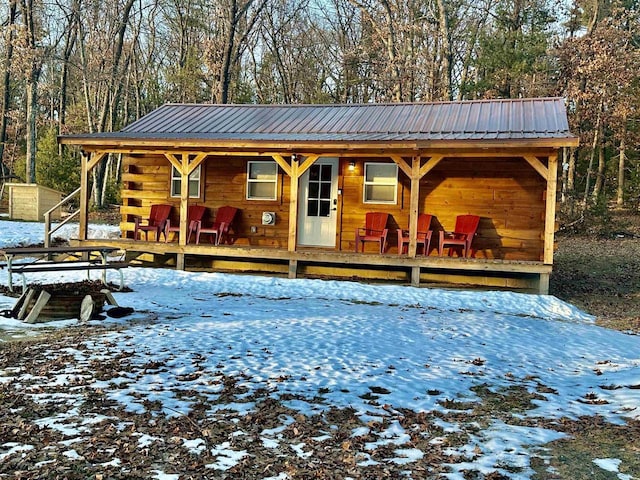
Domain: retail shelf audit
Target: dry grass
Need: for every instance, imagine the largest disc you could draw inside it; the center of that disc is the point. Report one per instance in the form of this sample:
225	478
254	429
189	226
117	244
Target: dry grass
602	275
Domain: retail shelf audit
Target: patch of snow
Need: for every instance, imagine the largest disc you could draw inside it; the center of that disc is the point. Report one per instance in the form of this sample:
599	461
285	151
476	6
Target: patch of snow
12	448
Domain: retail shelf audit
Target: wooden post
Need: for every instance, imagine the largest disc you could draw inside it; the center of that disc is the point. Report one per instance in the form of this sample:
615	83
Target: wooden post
550	209
413	208
84	197
293	205
543	284
293	268
415	276
184	200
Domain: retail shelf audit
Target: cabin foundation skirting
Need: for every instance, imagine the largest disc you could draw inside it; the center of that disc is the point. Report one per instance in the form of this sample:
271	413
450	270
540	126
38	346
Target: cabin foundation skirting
532	277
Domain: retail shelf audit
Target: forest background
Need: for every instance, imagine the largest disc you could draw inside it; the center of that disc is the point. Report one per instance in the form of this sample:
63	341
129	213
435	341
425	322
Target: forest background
75	66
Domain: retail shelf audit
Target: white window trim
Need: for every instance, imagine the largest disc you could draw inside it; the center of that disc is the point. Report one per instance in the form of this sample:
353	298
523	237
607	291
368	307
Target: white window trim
175	175
274	180
393	183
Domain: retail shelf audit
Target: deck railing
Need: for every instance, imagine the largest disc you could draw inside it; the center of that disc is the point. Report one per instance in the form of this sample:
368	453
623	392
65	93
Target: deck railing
48	231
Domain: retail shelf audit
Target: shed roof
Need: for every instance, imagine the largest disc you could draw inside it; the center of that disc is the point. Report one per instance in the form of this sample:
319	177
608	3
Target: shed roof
478	120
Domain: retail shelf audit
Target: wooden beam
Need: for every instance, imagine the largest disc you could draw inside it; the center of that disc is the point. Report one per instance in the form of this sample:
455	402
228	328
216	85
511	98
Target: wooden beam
537	165
95	159
193	164
174	161
550	209
302	147
430	165
279	159
402	164
310	160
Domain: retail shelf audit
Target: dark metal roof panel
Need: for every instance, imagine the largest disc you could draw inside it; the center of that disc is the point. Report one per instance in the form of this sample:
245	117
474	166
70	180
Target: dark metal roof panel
466	120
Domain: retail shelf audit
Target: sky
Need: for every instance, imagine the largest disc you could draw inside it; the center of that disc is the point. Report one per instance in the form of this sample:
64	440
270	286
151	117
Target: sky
343	338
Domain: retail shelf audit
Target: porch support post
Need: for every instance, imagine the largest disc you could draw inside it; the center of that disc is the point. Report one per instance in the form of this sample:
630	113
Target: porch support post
296	172
550	209
185	167
293	205
84	198
184	201
86	165
415	276
543	284
413	208
293	268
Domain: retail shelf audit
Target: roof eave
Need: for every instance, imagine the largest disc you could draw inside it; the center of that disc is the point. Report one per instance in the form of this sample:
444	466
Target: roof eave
116	143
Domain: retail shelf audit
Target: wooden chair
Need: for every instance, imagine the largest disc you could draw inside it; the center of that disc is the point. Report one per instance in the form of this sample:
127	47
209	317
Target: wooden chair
220	227
156	222
423	236
375	230
194	215
462	235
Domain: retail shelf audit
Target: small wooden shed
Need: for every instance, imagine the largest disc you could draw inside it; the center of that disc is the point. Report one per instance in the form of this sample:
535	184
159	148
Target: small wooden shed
30	201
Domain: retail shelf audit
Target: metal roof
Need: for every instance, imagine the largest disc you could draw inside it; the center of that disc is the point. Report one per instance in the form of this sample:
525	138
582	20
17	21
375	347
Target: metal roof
513	119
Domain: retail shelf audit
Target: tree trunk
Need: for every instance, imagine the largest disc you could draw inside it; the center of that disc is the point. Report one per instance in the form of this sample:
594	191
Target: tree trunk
599	183
596	136
110	103
621	161
33	77
7	83
70	42
446	54
32	113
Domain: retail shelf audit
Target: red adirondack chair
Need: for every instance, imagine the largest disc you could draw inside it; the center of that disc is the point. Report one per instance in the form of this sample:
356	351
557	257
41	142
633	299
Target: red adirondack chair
422	238
194	215
220	227
375	230
156	222
462	235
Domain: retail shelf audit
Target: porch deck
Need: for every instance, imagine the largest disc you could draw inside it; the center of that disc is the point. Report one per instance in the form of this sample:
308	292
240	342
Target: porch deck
524	275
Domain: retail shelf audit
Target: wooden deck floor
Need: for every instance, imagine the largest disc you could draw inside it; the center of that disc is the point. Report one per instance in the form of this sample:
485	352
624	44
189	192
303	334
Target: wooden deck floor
516	275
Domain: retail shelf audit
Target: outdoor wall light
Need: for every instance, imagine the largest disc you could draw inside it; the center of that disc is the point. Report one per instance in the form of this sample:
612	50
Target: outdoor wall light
352	166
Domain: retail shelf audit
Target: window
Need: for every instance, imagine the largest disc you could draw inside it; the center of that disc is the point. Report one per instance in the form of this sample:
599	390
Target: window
262	180
194	182
380	182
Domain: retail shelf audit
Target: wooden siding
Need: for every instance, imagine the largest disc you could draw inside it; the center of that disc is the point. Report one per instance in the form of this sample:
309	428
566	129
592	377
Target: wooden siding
506	193
146	180
29	201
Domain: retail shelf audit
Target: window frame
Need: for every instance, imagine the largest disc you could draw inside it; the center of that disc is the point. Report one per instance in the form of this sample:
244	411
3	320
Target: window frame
176	179
393	184
273	180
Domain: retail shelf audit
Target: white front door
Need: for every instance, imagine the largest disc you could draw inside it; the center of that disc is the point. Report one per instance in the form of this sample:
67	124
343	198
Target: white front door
318	205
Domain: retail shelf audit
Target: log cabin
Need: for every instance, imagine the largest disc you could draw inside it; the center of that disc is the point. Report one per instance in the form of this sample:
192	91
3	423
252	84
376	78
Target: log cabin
303	178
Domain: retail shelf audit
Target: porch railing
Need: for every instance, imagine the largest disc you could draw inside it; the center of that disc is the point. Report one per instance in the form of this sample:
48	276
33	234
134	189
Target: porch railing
48	231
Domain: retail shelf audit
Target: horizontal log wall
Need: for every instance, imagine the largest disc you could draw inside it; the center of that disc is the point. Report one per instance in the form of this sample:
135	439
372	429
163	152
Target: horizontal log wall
507	193
146	181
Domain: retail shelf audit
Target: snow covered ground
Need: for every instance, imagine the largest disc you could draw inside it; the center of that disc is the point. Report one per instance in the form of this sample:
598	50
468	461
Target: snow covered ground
305	340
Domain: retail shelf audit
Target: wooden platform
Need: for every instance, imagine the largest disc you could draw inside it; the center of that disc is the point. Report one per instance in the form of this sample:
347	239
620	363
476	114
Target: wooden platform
524	275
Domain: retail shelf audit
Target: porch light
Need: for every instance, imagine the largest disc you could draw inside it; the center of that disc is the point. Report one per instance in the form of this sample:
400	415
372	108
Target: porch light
352	166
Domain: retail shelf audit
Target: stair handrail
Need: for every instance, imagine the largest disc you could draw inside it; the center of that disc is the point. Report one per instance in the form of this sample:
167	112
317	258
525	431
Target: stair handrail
48	231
